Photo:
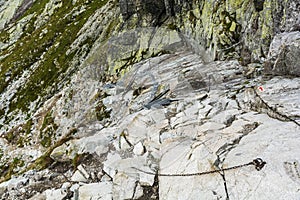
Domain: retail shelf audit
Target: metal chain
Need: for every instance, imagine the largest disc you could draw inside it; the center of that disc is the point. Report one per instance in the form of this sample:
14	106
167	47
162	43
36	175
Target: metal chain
258	163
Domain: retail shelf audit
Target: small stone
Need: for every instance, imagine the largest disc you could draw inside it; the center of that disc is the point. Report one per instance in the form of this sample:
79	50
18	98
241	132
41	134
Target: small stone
105	178
59	154
99	175
78	177
38	196
66	185
95	191
225	117
74	187
101	150
124	143
139	149
146	179
138	192
13	183
93	175
83	171
108	165
124	186
23	190
55	194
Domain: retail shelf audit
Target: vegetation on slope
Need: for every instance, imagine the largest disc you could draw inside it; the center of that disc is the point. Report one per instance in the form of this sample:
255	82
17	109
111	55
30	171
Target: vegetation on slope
45	46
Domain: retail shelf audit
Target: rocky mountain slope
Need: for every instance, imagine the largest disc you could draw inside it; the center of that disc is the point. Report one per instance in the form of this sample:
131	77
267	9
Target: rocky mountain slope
98	96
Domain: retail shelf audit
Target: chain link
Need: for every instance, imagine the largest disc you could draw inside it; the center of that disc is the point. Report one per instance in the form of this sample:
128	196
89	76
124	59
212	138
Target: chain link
258	163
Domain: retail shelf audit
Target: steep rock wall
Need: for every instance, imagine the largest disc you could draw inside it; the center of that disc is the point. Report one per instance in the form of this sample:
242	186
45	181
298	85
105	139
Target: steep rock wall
223	27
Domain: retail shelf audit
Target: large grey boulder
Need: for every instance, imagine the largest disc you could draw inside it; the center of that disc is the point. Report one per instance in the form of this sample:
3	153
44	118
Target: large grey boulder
283	57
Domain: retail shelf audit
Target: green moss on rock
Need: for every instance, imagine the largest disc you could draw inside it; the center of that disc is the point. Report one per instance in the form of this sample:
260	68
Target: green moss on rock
267	23
4	36
10	168
235	4
19	135
46	45
45	160
48	130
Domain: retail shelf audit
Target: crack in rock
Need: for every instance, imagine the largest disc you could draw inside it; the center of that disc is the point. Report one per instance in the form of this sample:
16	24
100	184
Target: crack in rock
254	101
227	147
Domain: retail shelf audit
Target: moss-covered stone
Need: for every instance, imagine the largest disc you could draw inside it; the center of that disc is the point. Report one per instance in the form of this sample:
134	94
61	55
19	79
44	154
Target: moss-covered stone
48	130
4	36
267	23
10	168
234	4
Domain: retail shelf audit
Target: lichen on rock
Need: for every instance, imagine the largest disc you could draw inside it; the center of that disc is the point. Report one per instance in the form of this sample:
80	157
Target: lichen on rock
107	92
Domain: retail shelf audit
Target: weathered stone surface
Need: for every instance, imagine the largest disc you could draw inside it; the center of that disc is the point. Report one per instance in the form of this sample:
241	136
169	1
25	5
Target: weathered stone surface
79	176
12	184
283	57
224	127
140	43
93	191
139	149
92	105
8	9
230	25
38	197
282	94
55	194
49	10
215	123
124	186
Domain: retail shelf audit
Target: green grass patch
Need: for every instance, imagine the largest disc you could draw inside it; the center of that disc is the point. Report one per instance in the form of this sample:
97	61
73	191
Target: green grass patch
61	31
48	130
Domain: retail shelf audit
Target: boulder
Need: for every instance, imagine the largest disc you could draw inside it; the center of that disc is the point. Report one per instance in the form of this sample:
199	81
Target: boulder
283	57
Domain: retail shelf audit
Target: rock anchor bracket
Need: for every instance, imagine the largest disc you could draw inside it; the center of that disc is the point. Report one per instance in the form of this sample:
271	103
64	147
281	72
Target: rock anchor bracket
258	163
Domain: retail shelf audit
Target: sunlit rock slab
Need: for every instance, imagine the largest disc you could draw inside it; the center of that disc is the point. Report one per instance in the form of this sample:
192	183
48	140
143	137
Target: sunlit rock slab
276	142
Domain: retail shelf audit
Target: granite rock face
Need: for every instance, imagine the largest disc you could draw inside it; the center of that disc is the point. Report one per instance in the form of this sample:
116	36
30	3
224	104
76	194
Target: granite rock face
221	27
97	97
284	55
218	119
